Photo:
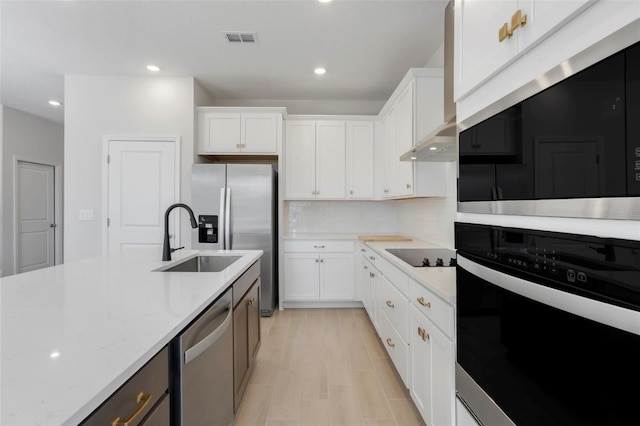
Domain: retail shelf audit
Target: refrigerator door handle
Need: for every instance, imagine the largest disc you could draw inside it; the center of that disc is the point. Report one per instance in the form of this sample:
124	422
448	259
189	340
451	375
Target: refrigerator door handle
222	222
227	221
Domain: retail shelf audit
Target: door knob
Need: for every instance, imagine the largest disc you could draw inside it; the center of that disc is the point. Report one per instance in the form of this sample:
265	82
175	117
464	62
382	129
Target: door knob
53	225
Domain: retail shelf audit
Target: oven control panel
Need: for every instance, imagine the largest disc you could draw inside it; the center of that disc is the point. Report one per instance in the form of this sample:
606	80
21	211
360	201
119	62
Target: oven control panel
602	266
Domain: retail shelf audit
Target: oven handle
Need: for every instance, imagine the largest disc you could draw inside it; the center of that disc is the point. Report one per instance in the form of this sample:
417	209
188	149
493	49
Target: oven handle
604	313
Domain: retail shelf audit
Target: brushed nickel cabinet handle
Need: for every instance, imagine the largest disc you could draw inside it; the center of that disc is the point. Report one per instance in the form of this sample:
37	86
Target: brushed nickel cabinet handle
391	345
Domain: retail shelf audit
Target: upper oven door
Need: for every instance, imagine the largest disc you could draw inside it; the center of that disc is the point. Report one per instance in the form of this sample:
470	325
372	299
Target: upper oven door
567	141
542	355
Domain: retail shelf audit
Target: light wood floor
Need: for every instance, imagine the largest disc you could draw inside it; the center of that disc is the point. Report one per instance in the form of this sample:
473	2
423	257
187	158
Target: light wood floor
324	367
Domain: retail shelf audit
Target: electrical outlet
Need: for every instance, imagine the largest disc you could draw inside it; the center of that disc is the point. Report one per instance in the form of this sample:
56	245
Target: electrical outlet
85	215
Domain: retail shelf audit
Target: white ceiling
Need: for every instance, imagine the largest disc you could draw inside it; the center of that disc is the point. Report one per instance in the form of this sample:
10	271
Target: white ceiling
366	46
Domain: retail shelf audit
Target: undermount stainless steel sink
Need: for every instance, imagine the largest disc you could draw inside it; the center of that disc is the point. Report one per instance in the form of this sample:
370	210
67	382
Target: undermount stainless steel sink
204	264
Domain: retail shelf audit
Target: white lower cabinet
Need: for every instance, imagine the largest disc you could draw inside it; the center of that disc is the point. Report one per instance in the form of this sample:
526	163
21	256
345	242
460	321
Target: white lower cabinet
319	271
417	329
432	371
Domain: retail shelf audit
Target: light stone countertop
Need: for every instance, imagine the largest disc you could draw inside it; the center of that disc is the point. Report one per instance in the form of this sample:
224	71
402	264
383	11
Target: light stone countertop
441	281
105	317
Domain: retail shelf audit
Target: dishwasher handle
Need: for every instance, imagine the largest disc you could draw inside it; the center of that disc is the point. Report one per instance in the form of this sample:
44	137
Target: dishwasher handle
206	343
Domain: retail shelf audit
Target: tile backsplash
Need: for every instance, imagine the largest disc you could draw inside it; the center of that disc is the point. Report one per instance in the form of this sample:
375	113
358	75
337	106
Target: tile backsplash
339	216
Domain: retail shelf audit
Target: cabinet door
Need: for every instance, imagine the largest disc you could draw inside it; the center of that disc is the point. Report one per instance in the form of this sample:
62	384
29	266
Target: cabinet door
253	321
545	16
223	132
432	371
478	52
360	160
388	153
404	140
337	276
330	159
300	157
259	133
301	276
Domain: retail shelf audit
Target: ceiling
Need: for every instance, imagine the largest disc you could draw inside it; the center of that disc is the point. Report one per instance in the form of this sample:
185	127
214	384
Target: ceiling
366	46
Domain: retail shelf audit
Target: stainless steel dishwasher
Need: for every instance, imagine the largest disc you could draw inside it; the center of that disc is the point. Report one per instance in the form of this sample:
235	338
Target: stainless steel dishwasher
202	362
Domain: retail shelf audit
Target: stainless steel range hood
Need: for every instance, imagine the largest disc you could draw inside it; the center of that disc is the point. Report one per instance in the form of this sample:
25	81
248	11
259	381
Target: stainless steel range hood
441	144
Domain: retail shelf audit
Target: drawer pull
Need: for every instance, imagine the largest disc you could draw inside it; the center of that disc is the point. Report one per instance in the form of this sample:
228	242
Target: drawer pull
389	304
423	333
318	246
251	302
423	303
145	399
372	275
391	345
362	250
372	258
366	267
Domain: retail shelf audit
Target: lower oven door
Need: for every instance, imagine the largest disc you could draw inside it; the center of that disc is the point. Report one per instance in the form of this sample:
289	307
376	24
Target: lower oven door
532	355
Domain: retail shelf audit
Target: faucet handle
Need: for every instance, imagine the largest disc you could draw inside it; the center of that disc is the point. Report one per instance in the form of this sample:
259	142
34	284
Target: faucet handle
175	249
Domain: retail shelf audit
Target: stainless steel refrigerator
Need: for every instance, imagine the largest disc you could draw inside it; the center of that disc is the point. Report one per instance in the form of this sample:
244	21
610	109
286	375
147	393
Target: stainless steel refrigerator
236	207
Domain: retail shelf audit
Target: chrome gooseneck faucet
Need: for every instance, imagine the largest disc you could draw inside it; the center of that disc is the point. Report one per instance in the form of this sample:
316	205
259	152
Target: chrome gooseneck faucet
166	248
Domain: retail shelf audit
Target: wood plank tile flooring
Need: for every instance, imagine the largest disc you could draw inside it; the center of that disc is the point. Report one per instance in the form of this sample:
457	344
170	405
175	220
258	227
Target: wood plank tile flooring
324	367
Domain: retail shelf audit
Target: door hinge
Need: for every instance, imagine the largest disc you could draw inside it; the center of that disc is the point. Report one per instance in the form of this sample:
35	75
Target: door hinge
108	221
108	159
597	158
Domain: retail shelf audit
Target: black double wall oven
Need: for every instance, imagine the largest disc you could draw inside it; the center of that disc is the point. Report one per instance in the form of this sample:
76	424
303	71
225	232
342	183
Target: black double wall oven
548	323
548	327
572	150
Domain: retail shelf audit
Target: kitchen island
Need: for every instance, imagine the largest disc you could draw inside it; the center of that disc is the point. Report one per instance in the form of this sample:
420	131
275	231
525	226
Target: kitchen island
72	334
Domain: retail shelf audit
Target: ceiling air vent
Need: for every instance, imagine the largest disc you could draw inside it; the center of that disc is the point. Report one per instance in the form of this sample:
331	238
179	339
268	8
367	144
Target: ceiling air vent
240	37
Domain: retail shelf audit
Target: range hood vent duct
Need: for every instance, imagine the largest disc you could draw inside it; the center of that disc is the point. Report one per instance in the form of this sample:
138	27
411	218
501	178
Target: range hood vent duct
441	144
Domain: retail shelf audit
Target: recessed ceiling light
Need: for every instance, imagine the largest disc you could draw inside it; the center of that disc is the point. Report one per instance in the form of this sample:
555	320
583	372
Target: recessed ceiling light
320	71
54	103
324	1
153	68
433	148
414	158
54	355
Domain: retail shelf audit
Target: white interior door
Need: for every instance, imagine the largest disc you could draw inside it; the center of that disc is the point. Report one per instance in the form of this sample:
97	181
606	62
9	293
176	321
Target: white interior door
143	181
35	214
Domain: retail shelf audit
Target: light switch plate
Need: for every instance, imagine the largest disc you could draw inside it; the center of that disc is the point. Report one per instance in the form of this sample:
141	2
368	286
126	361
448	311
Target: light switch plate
85	215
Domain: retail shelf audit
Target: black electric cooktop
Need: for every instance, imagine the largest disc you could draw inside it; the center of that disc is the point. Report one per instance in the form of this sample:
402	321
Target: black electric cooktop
426	257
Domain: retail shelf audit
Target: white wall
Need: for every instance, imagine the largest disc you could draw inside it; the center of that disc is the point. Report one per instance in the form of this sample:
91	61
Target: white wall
99	105
25	137
437	59
1	203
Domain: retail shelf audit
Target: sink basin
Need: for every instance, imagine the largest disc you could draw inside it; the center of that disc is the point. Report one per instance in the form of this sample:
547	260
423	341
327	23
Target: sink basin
204	264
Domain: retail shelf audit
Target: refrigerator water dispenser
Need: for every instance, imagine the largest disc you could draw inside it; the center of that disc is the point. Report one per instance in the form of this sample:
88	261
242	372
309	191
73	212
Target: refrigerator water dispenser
207	228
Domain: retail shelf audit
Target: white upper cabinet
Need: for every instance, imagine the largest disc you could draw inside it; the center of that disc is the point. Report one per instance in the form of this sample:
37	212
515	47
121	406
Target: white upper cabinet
224	132
555	39
300	159
413	112
360	159
489	34
331	153
315	159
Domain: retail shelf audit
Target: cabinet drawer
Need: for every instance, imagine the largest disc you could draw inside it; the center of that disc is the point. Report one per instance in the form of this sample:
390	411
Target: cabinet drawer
395	276
436	309
397	349
318	246
151	381
395	306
